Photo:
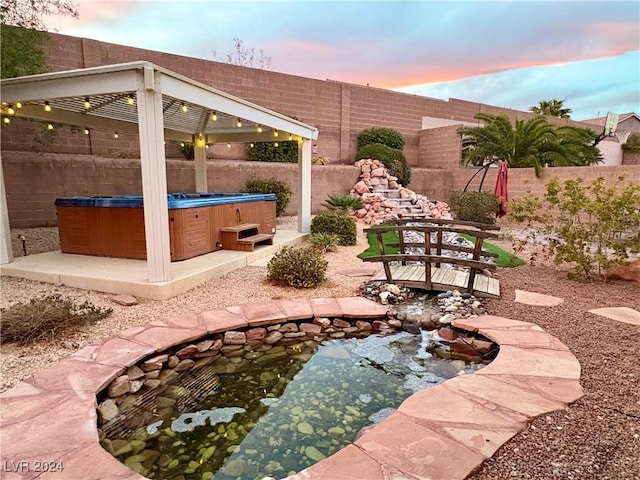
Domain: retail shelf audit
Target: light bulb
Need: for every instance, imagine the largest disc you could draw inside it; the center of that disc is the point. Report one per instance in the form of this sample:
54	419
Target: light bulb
214	116
182	144
86	131
207	145
6	120
47	107
184	108
251	145
18	104
239	123
259	128
290	137
276	144
10	110
49	126
115	135
275	133
228	145
87	103
130	100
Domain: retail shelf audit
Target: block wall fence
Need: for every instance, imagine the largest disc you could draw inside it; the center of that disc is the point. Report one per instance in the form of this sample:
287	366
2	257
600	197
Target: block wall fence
33	181
39	168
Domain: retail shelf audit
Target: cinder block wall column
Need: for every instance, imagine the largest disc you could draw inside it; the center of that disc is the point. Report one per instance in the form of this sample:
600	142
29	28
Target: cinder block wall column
345	124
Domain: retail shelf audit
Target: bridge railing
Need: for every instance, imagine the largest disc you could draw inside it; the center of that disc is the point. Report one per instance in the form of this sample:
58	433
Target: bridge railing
433	250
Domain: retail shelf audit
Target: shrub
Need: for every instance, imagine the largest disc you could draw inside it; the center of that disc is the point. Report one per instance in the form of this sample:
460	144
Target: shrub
385	136
591	227
335	222
187	150
285	152
297	267
46	318
474	206
320	161
633	143
281	188
340	201
325	242
393	159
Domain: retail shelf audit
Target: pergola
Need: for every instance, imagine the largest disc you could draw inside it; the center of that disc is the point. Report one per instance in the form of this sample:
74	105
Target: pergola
157	104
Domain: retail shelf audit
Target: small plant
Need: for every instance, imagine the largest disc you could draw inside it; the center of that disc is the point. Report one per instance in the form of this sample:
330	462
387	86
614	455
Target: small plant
474	206
297	267
394	160
187	150
325	242
633	143
335	222
339	201
46	318
591	227
320	161
385	136
282	152
281	188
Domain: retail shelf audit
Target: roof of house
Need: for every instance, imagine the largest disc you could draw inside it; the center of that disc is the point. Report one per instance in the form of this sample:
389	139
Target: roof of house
602	120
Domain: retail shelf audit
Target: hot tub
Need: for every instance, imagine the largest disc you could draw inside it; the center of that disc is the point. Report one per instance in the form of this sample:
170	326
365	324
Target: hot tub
199	223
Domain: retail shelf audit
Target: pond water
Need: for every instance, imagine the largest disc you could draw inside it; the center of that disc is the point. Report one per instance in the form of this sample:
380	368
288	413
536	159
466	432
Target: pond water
277	417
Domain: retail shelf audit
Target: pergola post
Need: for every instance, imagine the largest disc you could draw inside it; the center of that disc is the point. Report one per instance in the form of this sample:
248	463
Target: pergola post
304	186
200	157
154	177
6	251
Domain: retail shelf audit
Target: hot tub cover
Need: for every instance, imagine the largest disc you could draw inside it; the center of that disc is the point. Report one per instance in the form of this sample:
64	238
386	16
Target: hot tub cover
174	200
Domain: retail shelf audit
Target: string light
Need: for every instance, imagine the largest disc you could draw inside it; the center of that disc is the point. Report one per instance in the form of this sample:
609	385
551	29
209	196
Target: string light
251	145
238	123
18	104
115	135
10	110
130	100
182	144
214	116
275	133
184	107
49	126
206	146
6	120
86	103
290	137
47	107
86	131
259	128
276	144
228	145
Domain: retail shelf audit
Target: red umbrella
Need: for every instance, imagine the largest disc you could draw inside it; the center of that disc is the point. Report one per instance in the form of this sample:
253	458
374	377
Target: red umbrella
501	190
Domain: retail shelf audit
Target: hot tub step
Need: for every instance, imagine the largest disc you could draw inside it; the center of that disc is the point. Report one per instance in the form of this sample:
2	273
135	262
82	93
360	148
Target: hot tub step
261	238
239	228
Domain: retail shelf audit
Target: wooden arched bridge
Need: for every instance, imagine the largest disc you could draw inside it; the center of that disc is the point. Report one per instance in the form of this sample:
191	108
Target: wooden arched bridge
419	264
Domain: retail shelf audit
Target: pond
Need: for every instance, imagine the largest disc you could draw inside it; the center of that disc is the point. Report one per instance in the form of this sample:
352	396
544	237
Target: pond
275	414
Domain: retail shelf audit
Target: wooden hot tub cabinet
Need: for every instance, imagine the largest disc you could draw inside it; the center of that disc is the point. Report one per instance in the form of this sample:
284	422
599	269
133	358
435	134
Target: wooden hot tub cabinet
114	226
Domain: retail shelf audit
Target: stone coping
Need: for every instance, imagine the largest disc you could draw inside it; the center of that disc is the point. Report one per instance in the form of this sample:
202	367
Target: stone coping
445	431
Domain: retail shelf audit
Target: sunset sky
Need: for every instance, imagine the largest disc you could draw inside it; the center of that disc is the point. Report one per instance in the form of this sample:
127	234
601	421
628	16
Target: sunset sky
506	53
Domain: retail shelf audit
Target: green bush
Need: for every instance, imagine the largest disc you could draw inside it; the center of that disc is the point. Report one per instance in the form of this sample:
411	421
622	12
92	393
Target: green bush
285	152
187	150
281	188
633	143
385	136
336	222
325	242
393	159
47	318
340	201
474	206
297	267
592	227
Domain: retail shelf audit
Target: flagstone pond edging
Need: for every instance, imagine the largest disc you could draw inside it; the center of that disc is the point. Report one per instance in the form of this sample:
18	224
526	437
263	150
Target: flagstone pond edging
49	421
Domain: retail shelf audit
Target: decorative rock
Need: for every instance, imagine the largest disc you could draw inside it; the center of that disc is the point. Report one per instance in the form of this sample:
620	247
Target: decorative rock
447	334
411	328
154	363
379	325
447	319
257	333
134	372
108	410
205	345
288	327
312	453
125	300
185	364
322	321
395	323
235	338
310	328
305	428
136	385
119	386
339	323
363	326
273	337
173	361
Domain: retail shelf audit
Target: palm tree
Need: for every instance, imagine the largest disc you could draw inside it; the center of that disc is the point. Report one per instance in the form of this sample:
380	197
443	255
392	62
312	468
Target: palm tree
552	108
527	143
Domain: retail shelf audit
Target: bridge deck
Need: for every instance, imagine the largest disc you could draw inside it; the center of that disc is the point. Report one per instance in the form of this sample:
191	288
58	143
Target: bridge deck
442	279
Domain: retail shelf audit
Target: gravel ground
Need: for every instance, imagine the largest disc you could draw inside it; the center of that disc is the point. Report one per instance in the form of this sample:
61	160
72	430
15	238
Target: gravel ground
598	437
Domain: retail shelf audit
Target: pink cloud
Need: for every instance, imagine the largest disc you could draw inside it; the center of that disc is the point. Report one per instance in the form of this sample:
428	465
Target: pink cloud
89	11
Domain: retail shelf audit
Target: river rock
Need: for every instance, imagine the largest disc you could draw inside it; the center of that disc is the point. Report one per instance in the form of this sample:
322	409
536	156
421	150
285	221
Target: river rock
312	453
305	428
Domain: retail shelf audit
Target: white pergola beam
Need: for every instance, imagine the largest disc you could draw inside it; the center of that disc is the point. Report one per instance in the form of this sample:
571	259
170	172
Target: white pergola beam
6	250
154	178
